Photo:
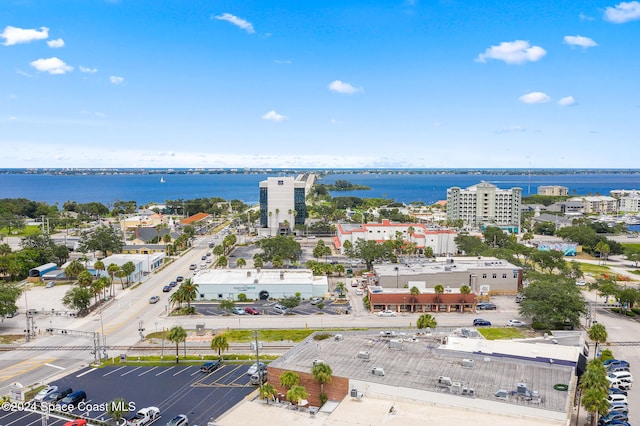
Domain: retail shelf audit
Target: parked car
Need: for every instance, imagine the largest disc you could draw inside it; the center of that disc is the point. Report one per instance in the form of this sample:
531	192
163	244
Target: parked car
203	258
581	283
315	300
359	292
478	322
259	378
616	397
173	283
166	289
238	311
144	416
154	299
56	396
255	367
520	298
515	323
621	375
486	306
11	315
210	366
179	420
620	407
615	363
617	391
50	284
193	267
179	278
613	416
44	392
387	313
73	398
76	422
251	310
280	309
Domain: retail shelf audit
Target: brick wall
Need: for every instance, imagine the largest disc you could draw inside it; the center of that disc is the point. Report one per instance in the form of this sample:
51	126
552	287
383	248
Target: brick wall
336	390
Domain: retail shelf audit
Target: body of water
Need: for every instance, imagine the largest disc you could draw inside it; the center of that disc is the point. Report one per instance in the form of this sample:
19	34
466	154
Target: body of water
148	188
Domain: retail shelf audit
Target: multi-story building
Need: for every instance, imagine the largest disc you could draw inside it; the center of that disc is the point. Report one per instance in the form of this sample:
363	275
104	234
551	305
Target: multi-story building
598	204
282	204
629	204
441	241
553	190
485	204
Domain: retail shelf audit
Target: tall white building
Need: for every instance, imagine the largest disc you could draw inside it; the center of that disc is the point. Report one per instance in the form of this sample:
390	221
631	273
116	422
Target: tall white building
282	203
485	204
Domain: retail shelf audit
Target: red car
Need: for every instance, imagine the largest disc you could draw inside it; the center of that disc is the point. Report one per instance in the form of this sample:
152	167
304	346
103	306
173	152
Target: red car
76	422
251	310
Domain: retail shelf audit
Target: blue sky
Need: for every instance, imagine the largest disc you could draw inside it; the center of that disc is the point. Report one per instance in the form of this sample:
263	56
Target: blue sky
354	83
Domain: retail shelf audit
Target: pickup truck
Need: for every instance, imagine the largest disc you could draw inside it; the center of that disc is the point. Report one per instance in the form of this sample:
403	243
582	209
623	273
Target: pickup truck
144	416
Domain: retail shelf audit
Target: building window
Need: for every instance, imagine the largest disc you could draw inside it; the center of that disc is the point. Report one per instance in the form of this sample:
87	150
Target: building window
280	182
504	276
219	295
495	276
484	276
515	275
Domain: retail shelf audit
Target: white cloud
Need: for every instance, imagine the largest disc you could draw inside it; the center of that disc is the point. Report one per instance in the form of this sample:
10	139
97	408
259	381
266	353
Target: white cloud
274	116
535	98
238	22
623	12
513	52
584	17
88	70
579	40
567	101
55	44
114	79
342	87
13	35
51	65
283	61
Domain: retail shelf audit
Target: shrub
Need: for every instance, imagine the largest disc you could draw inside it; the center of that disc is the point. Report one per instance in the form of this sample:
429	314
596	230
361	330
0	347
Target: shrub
616	310
631	314
636	311
367	302
606	354
321	336
323	398
242	297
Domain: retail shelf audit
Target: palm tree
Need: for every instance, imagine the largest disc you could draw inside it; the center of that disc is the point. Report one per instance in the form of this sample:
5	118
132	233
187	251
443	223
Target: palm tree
221	262
340	287
426	321
190	290
166	238
595	388
128	268
73	269
99	266
289	379
439	289
177	298
112	270
322	374
177	335
117	408
220	344
464	291
598	333
297	393
415	291
267	391
85	278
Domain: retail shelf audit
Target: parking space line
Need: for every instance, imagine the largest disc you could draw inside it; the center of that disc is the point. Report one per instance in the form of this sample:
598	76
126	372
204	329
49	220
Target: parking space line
182	371
87	372
148	371
111	372
164	371
129	372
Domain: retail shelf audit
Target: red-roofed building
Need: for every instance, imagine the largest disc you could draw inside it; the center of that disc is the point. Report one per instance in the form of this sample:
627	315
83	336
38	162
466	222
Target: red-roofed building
440	240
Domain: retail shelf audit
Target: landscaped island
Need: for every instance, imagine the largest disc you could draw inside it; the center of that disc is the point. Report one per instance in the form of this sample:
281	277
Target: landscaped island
345	185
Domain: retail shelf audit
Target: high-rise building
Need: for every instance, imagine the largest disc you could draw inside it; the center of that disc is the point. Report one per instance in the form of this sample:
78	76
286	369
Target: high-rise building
485	204
282	204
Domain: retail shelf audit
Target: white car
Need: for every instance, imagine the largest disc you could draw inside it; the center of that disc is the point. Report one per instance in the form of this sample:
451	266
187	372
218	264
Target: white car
387	313
144	416
515	323
581	283
315	300
44	392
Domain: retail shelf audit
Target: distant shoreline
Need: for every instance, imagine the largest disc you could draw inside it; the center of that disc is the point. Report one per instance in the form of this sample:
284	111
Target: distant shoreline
319	172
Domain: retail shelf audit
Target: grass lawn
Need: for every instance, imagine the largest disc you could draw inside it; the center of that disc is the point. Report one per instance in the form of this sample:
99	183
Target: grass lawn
495	333
588	268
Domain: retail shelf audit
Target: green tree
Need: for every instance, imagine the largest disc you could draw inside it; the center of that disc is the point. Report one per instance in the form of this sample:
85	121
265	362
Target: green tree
104	239
117	408
77	299
553	302
258	261
628	297
598	334
549	260
341	287
321	373
426	321
370	251
290	302
112	270
268	392
415	291
85	278
297	393
220	344
284	246
9	294
595	388
73	269
177	335
189	290
128	268
227	305
288	379
241	262
439	290
222	262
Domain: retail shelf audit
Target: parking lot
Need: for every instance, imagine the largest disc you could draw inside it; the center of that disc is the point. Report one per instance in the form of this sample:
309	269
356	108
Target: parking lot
175	389
265	307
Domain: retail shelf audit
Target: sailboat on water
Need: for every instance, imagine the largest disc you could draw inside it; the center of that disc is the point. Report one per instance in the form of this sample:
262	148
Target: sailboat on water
162	179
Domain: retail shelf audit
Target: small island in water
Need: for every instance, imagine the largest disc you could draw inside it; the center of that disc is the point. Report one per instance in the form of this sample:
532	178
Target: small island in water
345	185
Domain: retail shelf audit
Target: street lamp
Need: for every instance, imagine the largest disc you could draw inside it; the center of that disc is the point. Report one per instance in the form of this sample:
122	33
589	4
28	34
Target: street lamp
397	273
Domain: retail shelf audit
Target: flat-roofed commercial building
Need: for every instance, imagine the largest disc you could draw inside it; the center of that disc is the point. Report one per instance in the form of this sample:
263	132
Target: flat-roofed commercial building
259	284
485	204
440	240
504	378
